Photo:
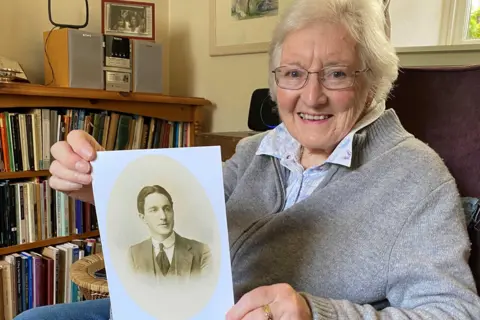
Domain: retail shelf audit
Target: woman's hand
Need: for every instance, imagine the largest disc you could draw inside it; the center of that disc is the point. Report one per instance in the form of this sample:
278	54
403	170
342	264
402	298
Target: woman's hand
71	168
282	300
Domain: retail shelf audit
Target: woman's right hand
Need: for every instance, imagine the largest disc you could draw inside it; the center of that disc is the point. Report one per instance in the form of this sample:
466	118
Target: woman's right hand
71	169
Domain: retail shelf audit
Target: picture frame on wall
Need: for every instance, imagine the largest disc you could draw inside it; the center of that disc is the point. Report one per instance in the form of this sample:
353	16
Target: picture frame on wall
131	19
243	26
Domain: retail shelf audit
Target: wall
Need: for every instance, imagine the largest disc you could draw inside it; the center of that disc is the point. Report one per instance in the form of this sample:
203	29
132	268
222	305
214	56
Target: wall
416	23
227	81
24	21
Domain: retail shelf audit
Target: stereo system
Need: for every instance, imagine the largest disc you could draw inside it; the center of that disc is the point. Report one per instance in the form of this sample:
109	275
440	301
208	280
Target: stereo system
79	59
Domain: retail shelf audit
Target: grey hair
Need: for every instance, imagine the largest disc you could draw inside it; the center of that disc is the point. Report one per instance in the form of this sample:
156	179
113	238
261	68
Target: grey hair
366	20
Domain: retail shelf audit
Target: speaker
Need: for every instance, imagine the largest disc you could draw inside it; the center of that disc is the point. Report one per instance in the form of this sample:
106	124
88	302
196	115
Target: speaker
147	66
73	58
263	113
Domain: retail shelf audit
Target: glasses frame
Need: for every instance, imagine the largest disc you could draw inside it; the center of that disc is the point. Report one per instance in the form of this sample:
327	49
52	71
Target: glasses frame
321	79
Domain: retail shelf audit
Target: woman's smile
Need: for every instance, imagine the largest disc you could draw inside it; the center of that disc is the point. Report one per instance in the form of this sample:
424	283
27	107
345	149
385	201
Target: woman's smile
310	118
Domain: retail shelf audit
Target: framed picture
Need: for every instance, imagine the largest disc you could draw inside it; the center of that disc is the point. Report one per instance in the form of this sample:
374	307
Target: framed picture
243	26
135	20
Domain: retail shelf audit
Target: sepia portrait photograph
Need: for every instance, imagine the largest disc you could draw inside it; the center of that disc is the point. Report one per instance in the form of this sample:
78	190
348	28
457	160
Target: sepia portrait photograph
130	19
163	227
173	255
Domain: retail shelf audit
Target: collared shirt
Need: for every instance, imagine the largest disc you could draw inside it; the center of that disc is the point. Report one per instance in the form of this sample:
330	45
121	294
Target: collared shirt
300	182
169	245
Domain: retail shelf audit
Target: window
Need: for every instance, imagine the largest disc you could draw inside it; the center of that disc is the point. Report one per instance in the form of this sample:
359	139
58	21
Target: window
461	22
474	20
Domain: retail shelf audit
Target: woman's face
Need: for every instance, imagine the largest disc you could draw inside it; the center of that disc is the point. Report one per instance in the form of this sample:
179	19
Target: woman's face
133	21
317	117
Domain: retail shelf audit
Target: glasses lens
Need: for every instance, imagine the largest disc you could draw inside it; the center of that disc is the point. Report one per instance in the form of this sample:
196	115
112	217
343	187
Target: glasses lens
338	77
290	77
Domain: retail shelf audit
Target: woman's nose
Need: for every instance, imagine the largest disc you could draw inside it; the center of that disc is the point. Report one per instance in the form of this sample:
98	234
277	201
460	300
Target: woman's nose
313	93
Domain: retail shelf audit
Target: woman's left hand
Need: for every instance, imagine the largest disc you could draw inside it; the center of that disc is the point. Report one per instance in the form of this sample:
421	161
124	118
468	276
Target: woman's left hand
282	300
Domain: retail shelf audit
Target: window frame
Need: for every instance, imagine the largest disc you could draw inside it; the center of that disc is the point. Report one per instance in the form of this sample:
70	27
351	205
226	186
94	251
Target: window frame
455	23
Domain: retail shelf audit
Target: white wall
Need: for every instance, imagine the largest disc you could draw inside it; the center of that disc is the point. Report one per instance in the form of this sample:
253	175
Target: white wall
416	22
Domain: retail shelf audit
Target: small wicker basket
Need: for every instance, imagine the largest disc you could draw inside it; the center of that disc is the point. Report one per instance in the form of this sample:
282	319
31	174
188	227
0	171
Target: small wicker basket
82	274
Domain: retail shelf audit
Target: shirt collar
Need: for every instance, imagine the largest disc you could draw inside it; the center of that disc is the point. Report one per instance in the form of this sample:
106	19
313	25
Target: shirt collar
167	243
280	144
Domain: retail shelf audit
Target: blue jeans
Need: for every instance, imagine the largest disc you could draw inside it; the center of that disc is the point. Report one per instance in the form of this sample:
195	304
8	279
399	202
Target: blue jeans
85	310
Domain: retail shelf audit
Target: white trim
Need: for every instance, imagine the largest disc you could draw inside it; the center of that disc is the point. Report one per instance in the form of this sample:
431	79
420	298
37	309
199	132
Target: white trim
447	22
445	55
442	48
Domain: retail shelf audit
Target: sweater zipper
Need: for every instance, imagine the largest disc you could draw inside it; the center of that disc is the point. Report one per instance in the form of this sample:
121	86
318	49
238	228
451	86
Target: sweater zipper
282	185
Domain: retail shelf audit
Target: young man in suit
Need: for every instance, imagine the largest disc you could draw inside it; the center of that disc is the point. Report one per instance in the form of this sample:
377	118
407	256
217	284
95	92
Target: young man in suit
166	253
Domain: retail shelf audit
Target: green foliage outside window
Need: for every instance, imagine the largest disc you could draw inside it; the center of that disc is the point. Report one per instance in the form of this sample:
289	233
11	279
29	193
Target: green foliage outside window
474	25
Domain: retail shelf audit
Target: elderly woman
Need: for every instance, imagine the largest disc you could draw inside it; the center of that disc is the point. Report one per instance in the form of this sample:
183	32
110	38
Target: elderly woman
338	213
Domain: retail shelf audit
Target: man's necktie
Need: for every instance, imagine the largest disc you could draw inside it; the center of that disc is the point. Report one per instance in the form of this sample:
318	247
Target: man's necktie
162	260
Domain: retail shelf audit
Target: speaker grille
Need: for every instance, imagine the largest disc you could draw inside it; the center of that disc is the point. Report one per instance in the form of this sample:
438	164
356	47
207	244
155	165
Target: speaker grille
147	67
85	59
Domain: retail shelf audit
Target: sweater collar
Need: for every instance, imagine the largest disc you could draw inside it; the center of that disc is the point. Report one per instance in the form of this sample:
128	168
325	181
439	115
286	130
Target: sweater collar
280	144
382	135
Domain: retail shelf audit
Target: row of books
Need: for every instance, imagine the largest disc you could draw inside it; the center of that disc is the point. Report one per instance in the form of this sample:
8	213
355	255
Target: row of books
26	138
37	278
33	211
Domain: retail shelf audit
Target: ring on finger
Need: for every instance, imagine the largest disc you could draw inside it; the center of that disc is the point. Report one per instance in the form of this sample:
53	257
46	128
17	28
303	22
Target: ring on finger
268	312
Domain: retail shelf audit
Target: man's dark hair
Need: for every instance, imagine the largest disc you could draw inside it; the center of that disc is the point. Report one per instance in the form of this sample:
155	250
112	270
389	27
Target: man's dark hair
147	191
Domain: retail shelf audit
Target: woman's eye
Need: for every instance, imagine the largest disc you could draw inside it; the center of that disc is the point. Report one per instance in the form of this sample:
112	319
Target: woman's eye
293	74
336	74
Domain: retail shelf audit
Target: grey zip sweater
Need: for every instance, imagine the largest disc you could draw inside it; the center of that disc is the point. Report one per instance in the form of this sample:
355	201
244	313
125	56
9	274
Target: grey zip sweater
385	239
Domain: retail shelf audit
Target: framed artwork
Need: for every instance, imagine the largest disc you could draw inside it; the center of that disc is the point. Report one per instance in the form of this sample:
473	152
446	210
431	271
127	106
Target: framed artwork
135	20
243	26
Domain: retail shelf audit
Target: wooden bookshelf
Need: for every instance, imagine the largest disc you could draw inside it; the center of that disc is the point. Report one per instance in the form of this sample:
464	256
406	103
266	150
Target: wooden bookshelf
46	243
171	108
24	174
26	96
41	91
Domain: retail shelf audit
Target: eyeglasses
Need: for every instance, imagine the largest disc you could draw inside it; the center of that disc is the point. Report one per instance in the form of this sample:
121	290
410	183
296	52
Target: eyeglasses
332	78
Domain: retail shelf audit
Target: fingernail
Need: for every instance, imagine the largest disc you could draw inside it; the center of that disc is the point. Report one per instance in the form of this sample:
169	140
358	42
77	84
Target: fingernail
81	166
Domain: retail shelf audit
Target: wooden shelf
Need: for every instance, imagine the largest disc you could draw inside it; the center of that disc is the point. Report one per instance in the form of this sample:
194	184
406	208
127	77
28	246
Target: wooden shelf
26	89
171	108
24	174
46	243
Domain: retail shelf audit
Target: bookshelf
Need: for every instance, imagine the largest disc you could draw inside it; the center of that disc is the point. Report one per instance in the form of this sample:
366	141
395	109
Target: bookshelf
39	225
24	174
170	108
46	243
21	97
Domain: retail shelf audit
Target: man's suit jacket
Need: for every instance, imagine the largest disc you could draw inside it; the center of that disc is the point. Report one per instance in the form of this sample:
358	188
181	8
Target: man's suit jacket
190	257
